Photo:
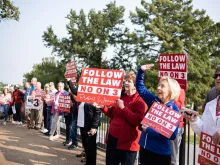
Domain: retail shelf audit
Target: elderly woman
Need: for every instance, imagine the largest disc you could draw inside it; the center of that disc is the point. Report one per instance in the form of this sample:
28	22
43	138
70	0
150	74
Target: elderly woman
122	144
155	148
210	121
57	114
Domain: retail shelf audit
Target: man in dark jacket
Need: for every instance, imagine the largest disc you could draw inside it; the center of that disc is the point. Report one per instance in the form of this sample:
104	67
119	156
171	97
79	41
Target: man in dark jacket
88	120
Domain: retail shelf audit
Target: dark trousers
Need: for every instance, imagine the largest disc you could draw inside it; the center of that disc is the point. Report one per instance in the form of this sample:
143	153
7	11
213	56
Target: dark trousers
115	156
45	116
90	147
49	118
151	158
17	116
73	131
68	120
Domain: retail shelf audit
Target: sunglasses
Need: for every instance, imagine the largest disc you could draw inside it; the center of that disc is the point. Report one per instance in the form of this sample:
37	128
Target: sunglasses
215	76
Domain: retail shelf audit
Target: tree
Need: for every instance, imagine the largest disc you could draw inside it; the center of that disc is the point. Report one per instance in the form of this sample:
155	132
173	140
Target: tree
8	11
49	70
88	36
173	26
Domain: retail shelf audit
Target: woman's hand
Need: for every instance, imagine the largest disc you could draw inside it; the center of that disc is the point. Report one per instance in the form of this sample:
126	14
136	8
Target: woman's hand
190	115
146	67
216	138
120	103
144	127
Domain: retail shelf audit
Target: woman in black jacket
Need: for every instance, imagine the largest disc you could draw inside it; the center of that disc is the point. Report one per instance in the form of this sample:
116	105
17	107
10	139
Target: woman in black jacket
88	121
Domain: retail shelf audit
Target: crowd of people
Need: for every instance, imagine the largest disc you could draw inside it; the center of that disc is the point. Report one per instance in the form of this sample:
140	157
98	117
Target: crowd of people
126	136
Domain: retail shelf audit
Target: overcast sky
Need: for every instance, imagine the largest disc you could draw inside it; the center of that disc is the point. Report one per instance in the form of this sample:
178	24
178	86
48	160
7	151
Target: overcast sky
21	43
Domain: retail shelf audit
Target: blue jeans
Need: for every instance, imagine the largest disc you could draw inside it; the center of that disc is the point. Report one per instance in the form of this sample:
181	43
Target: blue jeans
6	108
49	118
73	131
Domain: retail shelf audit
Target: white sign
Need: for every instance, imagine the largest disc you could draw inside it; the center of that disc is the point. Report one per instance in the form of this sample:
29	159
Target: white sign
34	103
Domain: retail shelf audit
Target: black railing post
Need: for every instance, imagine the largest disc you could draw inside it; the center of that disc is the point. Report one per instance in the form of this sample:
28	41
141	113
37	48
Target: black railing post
182	153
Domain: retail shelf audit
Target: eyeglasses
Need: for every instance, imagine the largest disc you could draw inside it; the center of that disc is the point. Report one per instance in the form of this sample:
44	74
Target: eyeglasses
215	76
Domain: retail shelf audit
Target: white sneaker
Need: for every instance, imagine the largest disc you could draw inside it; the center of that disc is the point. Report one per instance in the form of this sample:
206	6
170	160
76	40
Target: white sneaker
20	122
56	137
44	130
14	122
4	123
51	138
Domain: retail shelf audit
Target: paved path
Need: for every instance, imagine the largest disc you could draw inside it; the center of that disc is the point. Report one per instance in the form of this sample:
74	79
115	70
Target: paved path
20	146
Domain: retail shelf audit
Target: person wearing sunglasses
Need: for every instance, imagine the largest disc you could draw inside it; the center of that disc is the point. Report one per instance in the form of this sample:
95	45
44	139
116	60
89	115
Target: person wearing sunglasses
209	123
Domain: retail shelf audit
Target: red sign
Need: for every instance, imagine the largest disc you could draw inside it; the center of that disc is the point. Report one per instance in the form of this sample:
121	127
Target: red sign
175	66
162	119
49	98
209	152
64	103
71	70
102	86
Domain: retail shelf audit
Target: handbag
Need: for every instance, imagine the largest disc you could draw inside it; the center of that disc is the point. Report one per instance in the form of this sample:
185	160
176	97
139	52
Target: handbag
13	109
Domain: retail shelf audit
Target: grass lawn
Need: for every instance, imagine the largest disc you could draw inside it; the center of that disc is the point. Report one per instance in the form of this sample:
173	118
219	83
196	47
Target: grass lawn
191	139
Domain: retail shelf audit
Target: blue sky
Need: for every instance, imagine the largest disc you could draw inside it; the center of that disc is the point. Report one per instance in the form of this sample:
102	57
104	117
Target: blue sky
21	43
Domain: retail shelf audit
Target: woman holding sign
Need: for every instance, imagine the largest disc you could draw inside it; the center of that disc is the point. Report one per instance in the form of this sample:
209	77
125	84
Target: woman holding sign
5	104
155	148
122	144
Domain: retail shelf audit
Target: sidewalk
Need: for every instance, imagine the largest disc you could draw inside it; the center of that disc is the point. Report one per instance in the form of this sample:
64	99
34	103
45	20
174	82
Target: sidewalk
20	146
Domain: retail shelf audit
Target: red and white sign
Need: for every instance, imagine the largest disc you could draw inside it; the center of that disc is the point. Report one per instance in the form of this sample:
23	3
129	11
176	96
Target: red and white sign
209	153
102	86
162	119
49	98
64	103
71	71
175	66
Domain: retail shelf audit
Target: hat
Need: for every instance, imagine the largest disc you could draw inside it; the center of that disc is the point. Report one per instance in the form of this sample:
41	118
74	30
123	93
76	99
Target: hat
5	87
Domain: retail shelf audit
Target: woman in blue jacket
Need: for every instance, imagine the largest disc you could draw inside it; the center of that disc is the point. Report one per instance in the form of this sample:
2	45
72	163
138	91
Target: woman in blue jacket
155	148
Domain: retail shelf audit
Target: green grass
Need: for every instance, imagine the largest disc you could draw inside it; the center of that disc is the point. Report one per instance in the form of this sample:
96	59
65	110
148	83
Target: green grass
191	139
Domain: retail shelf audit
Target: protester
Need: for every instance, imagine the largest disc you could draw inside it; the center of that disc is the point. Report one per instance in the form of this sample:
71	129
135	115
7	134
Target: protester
122	144
71	132
175	144
155	148
6	104
26	94
213	93
46	95
18	97
36	114
57	114
52	93
210	121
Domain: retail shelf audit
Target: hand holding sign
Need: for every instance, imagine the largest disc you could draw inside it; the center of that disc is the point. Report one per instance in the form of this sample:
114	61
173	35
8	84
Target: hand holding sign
120	103
146	67
216	138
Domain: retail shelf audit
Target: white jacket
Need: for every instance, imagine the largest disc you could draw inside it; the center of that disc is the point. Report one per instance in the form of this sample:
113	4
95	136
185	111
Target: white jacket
209	123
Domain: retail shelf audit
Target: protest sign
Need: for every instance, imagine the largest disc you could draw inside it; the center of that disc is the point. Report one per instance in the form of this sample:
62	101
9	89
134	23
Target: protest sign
71	71
102	86
209	153
33	103
49	98
64	103
174	66
162	119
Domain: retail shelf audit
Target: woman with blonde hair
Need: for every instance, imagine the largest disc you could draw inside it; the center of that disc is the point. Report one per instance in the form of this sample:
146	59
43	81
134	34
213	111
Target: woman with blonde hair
155	148
6	103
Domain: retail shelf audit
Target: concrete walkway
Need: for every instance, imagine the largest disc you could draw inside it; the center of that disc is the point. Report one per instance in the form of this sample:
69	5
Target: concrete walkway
20	146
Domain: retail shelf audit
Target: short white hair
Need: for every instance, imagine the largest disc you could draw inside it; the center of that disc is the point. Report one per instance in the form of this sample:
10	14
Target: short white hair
174	87
38	83
61	83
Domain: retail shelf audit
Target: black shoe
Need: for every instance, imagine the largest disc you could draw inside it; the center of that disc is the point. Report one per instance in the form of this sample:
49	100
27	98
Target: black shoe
72	147
82	154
